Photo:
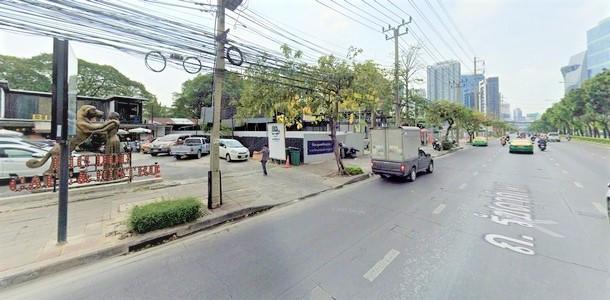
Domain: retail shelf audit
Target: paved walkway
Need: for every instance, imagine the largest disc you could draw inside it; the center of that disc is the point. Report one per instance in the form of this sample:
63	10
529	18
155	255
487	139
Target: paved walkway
98	219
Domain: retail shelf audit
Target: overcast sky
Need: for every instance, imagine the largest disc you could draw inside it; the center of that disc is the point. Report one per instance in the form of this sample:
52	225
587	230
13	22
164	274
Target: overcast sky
524	42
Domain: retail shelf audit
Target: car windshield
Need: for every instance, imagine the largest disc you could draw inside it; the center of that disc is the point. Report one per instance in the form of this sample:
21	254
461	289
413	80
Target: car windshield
233	144
168	138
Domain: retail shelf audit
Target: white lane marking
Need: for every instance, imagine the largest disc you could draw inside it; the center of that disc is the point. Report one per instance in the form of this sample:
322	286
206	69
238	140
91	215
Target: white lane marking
439	209
564	171
578	184
374	271
549	232
462	186
551	158
475	173
556	164
599	207
484	165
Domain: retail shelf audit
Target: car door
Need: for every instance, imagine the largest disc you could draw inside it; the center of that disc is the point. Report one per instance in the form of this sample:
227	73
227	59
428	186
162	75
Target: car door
422	161
14	162
206	146
222	149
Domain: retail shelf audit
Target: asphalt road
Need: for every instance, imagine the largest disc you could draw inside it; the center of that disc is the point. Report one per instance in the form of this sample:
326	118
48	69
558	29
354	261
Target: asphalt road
432	239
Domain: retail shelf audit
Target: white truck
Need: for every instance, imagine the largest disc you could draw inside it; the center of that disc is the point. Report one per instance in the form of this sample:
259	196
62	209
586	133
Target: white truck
395	152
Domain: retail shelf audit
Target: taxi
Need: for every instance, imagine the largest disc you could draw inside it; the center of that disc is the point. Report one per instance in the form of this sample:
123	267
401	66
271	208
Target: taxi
521	146
479	141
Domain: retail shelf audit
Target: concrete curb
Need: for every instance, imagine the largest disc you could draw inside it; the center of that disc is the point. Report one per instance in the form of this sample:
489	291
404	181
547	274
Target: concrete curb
78	191
37	270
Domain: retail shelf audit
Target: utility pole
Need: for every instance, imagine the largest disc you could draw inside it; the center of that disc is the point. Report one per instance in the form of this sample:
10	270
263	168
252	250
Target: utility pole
395	34
214	175
214	192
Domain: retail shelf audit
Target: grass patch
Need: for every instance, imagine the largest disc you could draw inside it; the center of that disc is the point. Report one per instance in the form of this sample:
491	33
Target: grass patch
353	170
592	139
164	214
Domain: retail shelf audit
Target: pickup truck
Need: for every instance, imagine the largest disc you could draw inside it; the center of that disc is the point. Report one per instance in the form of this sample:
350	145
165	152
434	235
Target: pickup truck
395	152
193	147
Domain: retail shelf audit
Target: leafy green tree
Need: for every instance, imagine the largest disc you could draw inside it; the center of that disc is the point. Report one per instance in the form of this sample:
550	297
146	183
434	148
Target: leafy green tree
439	112
372	89
472	122
95	80
198	92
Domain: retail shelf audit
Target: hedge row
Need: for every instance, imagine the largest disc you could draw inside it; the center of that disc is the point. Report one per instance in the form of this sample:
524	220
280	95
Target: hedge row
592	139
353	170
164	214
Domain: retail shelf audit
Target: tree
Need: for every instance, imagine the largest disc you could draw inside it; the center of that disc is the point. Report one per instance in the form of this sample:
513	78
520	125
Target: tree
95	80
439	112
372	89
409	66
472	121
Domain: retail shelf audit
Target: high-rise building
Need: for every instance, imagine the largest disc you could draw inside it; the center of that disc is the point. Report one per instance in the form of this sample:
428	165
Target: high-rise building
518	115
505	111
598	48
531	117
470	90
594	60
575	73
482	97
492	97
444	81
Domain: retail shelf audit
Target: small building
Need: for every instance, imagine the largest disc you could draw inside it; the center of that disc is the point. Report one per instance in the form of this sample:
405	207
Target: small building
29	112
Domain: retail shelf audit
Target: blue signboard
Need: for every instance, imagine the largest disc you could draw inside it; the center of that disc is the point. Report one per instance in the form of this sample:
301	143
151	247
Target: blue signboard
319	147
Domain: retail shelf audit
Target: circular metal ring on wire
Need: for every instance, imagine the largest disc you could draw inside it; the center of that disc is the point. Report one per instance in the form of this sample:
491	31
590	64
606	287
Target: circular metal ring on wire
232	60
197	62
160	55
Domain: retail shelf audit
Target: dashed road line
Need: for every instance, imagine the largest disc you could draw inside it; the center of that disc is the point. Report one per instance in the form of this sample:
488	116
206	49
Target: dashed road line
462	186
599	207
374	271
475	173
578	184
439	209
564	171
556	164
484	166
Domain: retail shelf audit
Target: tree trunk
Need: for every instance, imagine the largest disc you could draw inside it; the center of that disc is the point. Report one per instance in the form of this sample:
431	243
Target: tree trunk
373	118
333	137
448	130
606	131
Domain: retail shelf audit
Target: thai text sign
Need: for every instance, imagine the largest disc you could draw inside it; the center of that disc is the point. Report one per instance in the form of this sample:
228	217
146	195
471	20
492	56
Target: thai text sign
319	147
87	169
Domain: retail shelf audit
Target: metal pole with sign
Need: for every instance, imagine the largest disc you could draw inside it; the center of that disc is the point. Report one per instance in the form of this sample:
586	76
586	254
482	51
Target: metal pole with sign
63	127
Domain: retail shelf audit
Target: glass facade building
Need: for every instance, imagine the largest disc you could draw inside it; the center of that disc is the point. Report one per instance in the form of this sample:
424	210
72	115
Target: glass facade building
598	48
444	81
492	97
470	90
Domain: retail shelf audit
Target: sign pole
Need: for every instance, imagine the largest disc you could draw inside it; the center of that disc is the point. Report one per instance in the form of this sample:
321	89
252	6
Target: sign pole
59	130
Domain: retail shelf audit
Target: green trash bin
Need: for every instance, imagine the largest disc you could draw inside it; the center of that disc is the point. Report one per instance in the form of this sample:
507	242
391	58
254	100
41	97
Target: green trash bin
295	156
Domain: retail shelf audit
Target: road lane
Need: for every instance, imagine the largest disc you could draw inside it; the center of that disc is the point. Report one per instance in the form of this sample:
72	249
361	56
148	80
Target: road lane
324	245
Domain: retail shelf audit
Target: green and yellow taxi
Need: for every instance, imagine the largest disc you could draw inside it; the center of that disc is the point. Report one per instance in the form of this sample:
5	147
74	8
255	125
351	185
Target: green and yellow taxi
479	141
521	146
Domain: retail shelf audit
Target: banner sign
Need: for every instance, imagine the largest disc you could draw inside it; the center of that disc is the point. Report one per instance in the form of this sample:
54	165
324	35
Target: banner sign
89	168
319	147
276	135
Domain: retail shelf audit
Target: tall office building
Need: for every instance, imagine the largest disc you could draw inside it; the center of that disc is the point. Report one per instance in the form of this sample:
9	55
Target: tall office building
492	97
518	115
598	48
444	81
594	60
505	111
470	90
482	97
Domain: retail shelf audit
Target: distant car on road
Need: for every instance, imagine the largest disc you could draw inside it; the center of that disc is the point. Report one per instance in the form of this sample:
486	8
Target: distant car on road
553	137
521	146
231	149
193	147
146	147
22	142
163	144
479	141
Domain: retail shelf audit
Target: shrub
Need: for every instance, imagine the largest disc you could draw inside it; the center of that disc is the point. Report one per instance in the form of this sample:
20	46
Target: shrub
446	145
164	214
353	170
592	139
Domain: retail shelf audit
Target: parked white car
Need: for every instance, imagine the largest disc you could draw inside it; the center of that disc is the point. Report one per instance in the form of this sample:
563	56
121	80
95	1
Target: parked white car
193	147
231	149
4	140
553	137
13	158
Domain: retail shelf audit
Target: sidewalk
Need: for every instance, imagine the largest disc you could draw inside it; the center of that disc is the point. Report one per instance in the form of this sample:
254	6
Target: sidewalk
97	224
97	221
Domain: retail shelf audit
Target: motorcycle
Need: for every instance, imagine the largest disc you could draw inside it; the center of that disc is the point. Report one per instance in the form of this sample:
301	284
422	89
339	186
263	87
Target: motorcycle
503	142
436	145
542	146
347	151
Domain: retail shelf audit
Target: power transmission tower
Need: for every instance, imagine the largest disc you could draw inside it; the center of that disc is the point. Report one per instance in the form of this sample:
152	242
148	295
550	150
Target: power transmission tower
395	34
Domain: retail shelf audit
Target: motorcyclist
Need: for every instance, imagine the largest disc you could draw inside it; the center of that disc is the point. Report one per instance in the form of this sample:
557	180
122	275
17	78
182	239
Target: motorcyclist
541	142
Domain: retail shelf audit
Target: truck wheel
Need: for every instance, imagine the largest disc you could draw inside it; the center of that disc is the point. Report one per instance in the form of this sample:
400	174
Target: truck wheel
178	157
199	154
154	154
430	167
413	175
228	158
